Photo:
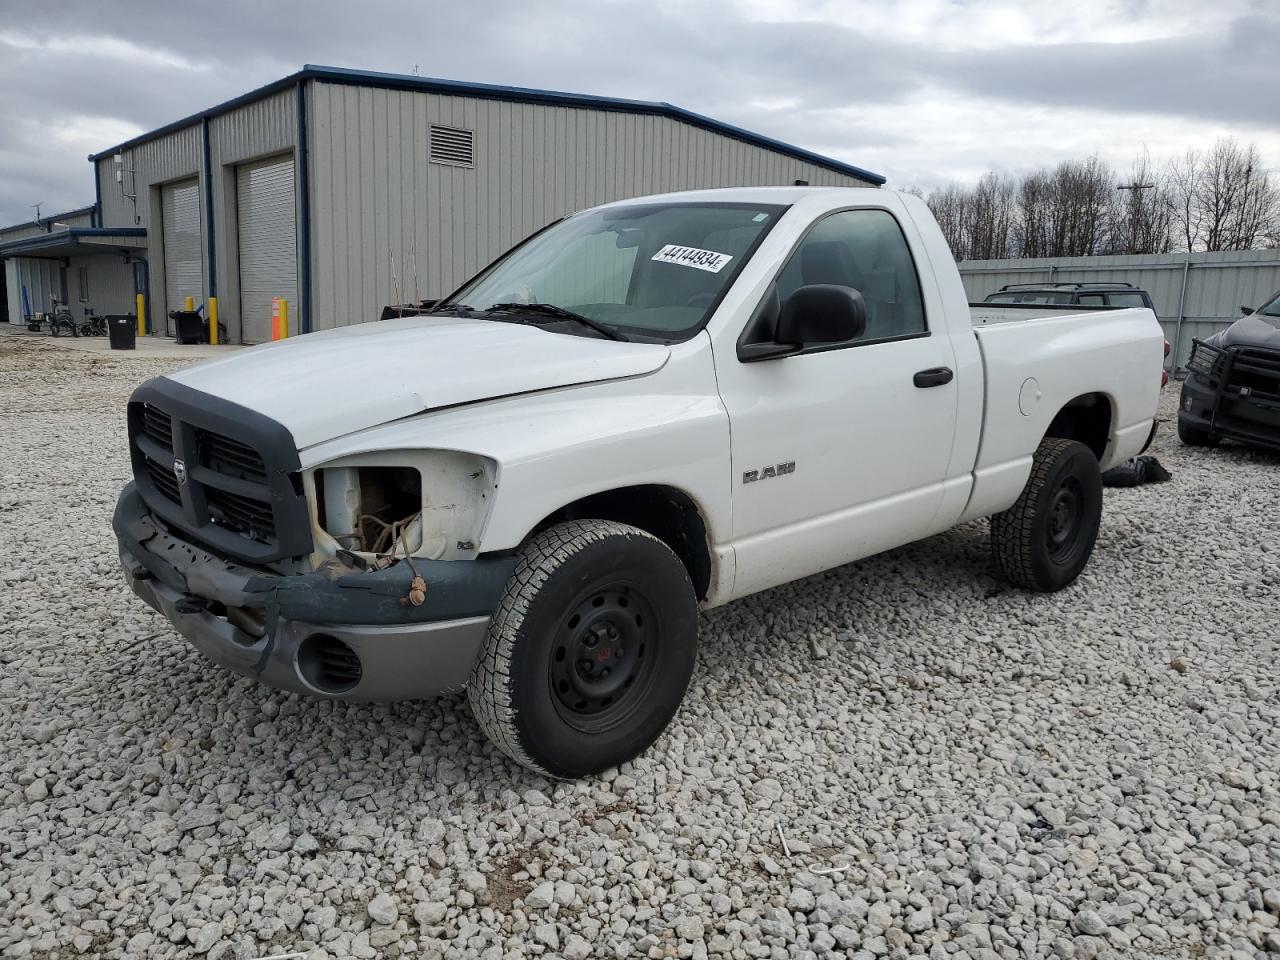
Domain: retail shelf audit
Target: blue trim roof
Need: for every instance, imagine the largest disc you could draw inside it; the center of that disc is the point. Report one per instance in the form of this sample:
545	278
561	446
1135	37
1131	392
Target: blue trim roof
60	238
489	91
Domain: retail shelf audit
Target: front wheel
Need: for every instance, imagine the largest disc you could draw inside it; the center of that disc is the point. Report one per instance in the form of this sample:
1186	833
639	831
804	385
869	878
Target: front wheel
1194	436
590	651
1044	540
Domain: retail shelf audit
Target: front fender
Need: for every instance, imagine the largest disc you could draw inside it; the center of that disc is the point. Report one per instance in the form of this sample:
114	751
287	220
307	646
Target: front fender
551	448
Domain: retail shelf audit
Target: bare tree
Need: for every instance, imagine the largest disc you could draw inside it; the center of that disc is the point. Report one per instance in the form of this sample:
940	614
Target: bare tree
1143	221
1224	199
950	207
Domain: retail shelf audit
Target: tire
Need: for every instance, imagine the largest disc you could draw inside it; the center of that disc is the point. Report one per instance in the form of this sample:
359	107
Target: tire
1045	539
590	651
1193	436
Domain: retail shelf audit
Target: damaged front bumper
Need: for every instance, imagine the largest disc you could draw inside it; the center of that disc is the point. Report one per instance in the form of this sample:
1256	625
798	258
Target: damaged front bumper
343	634
1220	407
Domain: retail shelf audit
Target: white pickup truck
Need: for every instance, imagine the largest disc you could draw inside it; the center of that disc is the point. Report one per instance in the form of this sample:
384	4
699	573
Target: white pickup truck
649	407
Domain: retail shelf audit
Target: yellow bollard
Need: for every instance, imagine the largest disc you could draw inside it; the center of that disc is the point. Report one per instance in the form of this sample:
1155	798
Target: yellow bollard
190	304
213	321
284	319
141	304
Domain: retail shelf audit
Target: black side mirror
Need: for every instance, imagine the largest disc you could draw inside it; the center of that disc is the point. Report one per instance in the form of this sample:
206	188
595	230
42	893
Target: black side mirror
815	314
1246	311
822	313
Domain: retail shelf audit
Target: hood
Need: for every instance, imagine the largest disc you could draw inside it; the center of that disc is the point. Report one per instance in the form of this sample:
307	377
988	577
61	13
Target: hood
326	385
1254	330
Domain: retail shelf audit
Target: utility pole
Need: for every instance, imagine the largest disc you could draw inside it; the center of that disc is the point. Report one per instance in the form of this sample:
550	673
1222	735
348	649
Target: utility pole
1134	189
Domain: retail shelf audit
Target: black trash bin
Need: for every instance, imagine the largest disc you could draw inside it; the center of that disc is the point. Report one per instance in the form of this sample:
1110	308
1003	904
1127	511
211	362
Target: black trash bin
189	326
123	332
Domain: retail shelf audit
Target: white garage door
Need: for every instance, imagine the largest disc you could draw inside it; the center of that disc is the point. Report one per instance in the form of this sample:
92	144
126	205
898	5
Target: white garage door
183	276
268	245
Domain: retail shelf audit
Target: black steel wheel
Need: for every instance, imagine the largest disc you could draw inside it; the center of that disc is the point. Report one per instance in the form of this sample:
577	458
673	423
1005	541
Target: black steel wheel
604	657
1045	539
590	652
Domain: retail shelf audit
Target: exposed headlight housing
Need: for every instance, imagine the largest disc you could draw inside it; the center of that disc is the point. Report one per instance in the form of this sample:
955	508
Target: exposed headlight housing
428	503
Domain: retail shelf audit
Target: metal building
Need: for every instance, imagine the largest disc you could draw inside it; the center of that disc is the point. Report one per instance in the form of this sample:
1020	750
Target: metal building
68	257
331	189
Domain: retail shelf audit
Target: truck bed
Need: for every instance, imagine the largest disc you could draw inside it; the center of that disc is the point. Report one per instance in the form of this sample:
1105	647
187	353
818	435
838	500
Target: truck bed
985	314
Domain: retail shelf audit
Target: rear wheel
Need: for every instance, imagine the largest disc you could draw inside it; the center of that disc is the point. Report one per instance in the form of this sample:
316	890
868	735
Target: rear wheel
1045	539
590	651
1194	436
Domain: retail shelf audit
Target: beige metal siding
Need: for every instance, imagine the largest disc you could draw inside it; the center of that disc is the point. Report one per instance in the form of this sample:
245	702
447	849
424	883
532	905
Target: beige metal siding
376	198
183	268
13	291
260	129
42	280
268	243
110	284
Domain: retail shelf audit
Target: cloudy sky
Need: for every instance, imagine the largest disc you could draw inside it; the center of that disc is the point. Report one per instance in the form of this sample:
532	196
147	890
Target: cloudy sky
923	91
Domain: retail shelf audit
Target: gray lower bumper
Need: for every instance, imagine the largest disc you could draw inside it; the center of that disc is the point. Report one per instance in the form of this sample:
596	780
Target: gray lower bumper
289	630
408	661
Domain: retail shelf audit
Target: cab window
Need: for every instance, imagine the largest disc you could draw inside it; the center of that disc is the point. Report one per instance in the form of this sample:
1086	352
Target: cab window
866	250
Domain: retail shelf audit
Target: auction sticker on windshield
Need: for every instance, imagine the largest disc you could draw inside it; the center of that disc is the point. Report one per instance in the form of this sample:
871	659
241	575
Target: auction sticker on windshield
707	260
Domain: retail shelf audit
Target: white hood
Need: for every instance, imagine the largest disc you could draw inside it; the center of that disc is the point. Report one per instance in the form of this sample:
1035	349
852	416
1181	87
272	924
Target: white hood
325	385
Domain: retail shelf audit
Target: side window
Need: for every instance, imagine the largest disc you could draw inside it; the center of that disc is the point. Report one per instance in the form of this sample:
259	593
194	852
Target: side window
863	249
1091	300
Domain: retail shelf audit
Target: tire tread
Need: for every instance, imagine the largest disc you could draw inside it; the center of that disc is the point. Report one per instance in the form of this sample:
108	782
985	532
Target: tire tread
1013	530
489	688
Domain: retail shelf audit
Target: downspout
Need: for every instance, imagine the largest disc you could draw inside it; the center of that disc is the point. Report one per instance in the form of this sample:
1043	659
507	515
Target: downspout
1182	312
304	215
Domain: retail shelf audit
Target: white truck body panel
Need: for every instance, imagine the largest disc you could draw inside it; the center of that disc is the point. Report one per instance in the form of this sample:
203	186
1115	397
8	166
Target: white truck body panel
878	462
398	368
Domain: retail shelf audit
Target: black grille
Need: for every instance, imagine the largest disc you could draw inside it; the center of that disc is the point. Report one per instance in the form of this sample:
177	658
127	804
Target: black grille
239	492
245	515
230	457
165	481
1256	372
158	425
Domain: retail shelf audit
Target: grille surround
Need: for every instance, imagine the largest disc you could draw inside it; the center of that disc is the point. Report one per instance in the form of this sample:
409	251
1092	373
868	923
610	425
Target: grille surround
241	496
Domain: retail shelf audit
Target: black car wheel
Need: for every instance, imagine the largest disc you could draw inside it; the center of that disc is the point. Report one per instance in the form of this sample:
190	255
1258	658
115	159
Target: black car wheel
1045	539
1194	436
589	654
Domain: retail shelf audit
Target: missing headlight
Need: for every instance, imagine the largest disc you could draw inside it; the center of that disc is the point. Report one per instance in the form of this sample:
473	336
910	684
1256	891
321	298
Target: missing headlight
364	508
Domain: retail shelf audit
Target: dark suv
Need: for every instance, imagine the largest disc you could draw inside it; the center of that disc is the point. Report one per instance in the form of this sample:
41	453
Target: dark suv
1233	383
1073	294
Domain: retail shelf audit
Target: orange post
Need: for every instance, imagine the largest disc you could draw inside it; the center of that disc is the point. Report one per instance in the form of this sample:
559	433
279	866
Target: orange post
275	318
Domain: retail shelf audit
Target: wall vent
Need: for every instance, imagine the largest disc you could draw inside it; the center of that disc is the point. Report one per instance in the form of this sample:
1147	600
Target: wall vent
452	146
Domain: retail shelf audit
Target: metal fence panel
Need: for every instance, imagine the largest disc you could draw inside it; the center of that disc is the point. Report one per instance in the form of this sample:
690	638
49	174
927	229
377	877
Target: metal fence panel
1195	295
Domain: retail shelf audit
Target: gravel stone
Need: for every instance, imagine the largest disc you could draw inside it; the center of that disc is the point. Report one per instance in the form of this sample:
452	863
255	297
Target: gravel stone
383	909
993	774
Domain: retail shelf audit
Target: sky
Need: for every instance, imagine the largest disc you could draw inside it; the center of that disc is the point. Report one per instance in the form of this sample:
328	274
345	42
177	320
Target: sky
924	92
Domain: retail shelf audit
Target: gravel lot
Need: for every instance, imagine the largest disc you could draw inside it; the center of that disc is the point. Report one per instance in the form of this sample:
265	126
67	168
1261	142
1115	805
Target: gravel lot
988	773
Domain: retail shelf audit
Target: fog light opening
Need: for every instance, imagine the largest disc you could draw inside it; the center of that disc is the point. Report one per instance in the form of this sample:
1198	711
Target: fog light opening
328	664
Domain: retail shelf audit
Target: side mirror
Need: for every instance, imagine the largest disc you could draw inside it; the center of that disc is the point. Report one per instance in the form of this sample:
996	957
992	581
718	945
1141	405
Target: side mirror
822	313
1246	311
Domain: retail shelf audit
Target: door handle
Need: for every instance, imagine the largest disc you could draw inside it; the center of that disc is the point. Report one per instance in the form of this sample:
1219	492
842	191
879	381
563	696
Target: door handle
933	377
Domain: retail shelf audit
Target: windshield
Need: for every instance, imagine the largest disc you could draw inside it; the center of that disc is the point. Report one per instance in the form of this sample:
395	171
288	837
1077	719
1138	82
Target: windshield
643	271
1271	309
1030	296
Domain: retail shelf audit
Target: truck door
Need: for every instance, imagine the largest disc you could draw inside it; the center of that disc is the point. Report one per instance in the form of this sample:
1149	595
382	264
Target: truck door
841	451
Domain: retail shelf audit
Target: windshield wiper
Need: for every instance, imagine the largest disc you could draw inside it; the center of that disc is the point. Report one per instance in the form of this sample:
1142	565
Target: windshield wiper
454	307
551	311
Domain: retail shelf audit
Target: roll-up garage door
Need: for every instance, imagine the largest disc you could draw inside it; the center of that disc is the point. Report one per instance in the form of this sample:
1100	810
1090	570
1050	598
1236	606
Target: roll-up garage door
268	245
183	276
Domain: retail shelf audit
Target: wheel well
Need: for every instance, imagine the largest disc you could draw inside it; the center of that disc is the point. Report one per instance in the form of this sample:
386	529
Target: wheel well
667	513
1087	419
